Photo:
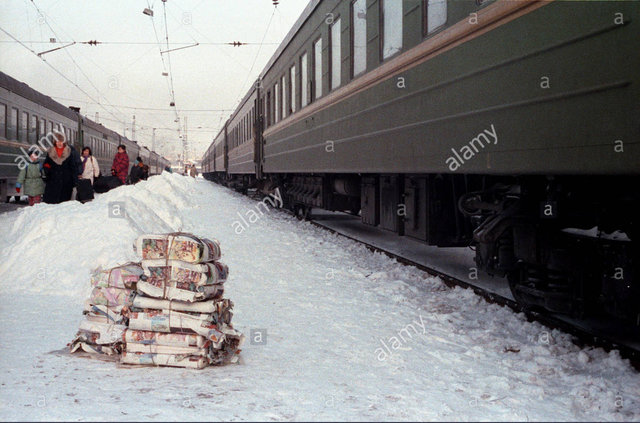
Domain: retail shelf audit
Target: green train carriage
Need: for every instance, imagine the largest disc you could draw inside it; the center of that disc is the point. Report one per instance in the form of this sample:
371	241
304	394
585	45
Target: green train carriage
509	125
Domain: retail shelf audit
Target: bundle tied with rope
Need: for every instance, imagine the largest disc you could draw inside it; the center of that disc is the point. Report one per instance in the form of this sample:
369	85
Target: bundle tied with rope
171	310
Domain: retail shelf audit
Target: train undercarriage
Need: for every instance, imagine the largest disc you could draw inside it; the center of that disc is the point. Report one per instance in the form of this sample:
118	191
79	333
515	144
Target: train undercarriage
566	244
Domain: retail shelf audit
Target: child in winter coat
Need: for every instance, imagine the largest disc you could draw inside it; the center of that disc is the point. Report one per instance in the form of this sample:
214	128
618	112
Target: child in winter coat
30	178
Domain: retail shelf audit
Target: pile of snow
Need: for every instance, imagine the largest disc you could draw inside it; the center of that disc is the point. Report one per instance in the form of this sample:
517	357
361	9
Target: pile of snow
333	330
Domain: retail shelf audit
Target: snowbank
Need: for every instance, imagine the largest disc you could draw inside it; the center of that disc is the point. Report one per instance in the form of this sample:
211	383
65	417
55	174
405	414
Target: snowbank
347	334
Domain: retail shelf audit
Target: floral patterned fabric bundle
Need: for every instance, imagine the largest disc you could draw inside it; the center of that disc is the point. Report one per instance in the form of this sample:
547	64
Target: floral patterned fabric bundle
177	246
98	338
178	271
125	276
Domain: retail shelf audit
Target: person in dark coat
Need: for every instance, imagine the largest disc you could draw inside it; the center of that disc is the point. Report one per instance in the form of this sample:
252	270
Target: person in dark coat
120	166
145	172
137	172
61	171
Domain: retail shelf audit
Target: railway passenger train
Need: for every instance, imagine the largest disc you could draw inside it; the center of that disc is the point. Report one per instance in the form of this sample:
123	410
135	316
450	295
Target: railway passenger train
512	127
26	116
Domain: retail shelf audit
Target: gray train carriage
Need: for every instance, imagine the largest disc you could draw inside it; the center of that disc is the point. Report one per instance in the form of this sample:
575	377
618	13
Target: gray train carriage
102	141
214	162
207	161
26	117
154	164
163	163
242	142
510	126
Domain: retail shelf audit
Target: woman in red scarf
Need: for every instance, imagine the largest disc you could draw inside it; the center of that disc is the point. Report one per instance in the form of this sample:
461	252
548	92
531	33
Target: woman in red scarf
120	166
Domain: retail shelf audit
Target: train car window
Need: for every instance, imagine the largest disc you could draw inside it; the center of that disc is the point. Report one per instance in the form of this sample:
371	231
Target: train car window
268	108
43	128
283	85
391	13
24	125
358	37
276	110
434	15
336	55
50	127
33	129
12	128
317	66
292	89
3	120
303	80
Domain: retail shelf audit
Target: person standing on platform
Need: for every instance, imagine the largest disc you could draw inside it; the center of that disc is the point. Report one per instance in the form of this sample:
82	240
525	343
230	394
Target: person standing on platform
61	171
120	166
90	167
30	178
137	171
145	172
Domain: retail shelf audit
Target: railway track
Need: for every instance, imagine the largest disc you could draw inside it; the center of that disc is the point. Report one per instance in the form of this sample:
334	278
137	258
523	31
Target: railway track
583	337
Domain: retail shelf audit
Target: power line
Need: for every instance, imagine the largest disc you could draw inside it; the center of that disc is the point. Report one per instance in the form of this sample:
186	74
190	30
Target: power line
166	32
61	74
147	108
164	65
135	43
256	56
46	20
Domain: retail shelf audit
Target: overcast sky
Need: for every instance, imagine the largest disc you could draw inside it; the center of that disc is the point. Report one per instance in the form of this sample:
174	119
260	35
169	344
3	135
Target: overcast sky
126	72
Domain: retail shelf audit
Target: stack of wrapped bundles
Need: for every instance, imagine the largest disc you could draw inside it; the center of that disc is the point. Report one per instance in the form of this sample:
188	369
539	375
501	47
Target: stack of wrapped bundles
106	312
177	316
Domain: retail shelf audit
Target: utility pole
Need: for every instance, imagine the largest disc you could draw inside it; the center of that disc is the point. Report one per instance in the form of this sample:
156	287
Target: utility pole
97	117
133	129
153	140
185	145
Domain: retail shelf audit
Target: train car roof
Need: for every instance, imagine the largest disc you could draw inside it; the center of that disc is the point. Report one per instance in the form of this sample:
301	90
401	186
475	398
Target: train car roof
99	127
311	6
24	90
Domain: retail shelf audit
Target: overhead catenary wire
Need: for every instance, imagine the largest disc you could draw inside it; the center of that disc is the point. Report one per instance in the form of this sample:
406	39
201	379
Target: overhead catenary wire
64	76
256	56
166	32
148	108
136	43
164	65
46	21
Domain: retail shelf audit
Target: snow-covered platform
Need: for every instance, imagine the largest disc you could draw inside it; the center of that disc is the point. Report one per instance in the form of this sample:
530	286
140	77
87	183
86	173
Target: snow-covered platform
346	333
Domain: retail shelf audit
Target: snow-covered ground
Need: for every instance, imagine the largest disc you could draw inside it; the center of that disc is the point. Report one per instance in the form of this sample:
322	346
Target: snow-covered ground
349	334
